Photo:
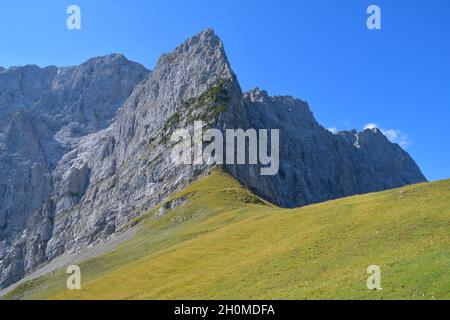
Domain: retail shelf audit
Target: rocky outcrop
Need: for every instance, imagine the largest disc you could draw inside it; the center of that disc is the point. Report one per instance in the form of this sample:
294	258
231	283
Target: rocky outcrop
73	174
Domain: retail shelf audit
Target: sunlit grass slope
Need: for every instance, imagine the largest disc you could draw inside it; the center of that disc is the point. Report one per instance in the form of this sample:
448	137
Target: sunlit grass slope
225	243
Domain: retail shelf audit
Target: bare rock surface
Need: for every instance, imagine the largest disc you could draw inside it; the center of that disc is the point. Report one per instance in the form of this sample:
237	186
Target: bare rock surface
45	113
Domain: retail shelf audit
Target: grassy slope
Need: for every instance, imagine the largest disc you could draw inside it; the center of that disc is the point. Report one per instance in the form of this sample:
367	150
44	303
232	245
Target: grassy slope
224	243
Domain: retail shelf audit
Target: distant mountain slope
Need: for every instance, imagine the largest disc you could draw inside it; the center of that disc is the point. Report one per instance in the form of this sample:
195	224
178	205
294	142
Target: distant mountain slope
218	241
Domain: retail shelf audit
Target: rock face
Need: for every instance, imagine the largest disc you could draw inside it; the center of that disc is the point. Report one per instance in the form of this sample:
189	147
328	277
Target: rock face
44	113
317	165
72	173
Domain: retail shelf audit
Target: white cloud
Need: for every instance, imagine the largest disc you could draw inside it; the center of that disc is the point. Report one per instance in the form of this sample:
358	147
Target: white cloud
398	137
333	130
395	136
370	126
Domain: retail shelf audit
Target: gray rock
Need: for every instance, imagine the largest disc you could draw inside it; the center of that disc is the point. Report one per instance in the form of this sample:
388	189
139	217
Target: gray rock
72	174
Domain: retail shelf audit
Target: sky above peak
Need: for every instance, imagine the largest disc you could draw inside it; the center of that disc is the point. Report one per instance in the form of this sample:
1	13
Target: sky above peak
396	78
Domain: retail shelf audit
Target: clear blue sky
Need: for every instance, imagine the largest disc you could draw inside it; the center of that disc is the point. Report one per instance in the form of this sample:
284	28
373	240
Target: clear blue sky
320	51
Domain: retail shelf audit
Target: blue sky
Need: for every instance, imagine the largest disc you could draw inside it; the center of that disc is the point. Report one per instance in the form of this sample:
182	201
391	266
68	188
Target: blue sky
320	51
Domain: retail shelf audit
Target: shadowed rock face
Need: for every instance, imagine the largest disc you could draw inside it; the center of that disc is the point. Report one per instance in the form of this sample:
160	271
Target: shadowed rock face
73	174
317	165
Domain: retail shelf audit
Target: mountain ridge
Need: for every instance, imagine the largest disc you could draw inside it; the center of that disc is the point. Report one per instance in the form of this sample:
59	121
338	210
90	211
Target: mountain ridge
105	171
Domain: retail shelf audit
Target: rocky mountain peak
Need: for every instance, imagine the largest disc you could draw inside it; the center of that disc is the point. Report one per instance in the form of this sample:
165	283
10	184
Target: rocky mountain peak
206	42
205	39
109	60
257	95
190	69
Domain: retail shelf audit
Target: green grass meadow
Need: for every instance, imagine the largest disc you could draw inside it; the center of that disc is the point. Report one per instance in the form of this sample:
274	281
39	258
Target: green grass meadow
225	243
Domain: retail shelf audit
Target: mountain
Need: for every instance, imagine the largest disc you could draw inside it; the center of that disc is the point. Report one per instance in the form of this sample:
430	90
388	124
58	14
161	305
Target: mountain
219	241
74	173
317	165
44	113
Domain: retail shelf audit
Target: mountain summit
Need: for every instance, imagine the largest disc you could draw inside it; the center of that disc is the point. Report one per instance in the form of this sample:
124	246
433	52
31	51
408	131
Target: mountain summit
73	172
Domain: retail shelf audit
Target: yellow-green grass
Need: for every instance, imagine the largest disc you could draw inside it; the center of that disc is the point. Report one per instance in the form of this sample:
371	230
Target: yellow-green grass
225	243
